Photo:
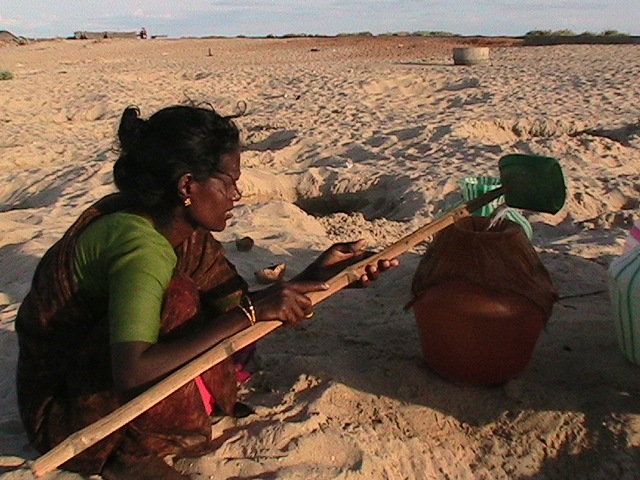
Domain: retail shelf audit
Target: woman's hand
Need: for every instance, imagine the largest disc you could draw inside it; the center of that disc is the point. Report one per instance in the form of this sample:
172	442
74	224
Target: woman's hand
286	301
341	255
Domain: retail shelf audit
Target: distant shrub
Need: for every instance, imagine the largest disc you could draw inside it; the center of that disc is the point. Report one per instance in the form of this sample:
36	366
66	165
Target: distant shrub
571	33
539	33
564	33
356	34
430	33
614	33
550	33
5	75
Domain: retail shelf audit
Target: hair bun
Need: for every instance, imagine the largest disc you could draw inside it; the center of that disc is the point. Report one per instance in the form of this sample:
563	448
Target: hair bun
130	128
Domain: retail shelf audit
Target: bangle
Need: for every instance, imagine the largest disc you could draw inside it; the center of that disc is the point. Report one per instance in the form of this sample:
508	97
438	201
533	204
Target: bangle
248	309
247	314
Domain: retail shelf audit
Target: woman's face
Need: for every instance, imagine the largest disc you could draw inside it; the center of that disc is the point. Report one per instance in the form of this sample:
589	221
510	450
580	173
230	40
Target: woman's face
213	198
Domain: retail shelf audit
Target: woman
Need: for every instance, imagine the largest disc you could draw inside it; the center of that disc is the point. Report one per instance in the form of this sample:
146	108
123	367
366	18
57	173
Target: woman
138	287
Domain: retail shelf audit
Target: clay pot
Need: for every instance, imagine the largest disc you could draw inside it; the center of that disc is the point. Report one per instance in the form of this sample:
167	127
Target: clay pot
472	334
481	299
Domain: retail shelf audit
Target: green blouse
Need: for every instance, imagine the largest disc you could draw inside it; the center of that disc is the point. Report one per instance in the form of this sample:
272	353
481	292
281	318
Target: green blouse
121	259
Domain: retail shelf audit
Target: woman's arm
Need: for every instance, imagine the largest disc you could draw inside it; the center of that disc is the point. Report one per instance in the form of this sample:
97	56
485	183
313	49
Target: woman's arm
137	365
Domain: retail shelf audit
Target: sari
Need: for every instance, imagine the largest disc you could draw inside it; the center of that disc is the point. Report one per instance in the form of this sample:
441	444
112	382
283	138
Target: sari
64	379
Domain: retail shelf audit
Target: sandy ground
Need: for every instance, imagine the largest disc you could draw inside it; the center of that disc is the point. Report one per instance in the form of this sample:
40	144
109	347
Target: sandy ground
359	138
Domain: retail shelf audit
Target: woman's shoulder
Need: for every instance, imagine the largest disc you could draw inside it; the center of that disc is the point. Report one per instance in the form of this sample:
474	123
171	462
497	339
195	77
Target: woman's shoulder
123	218
123	231
124	225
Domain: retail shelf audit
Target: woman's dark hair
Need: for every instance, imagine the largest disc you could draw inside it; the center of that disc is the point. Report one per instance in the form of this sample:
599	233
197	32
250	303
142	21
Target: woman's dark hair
155	153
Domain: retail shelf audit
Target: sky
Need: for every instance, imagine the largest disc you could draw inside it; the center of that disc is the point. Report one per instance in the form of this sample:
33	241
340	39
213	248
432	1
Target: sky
175	18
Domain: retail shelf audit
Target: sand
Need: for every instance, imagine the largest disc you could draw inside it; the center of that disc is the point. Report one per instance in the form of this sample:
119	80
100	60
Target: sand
353	138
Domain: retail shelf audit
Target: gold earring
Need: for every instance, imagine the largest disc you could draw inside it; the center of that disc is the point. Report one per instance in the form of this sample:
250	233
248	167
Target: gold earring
187	202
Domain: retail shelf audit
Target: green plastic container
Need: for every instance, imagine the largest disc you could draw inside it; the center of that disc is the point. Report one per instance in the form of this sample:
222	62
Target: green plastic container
473	187
535	182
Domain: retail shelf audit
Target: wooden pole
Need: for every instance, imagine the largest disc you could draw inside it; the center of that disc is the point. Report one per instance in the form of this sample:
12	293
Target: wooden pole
92	434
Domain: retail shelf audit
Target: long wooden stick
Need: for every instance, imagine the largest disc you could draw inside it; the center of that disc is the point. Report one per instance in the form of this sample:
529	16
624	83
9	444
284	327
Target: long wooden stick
355	271
92	434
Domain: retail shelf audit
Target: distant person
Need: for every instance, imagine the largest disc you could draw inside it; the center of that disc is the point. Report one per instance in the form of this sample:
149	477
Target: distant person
143	33
138	287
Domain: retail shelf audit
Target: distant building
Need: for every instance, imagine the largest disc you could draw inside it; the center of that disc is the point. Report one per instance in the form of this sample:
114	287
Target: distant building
8	38
84	35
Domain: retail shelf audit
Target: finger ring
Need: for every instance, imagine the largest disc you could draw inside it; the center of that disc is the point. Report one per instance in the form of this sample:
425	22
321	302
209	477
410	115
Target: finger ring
309	315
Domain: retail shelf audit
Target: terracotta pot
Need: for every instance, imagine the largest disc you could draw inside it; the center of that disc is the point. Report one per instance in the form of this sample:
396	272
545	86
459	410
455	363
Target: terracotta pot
480	300
476	335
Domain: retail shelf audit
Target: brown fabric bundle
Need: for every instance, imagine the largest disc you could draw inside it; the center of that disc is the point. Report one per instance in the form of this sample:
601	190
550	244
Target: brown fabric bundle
64	380
502	258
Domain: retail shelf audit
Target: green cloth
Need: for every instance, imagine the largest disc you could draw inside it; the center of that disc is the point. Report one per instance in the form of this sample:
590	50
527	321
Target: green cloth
122	258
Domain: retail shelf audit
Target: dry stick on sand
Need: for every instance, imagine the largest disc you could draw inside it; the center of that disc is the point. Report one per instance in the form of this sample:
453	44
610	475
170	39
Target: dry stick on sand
90	435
